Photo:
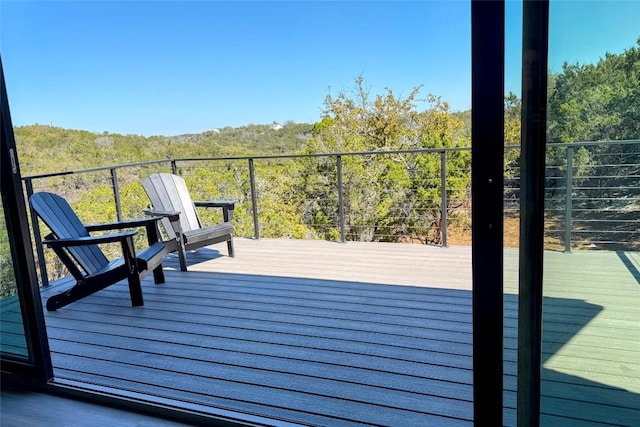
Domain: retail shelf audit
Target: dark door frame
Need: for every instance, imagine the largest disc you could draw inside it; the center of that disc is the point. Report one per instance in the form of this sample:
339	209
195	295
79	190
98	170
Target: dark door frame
487	183
38	364
535	36
487	201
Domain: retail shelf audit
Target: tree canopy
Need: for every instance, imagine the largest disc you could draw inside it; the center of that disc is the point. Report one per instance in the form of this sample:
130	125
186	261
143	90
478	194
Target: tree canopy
389	197
596	102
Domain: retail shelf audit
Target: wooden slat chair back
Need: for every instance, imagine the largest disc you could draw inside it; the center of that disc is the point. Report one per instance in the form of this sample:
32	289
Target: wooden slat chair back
169	193
79	251
56	213
169	196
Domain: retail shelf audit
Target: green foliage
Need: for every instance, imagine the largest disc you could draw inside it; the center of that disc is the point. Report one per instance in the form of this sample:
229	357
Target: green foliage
512	131
279	206
7	277
387	197
596	102
43	149
599	102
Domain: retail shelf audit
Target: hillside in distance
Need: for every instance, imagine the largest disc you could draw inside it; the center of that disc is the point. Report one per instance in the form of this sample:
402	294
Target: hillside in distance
46	149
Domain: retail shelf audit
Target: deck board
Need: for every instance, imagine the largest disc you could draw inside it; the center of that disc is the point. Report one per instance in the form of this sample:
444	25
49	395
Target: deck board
350	334
12	338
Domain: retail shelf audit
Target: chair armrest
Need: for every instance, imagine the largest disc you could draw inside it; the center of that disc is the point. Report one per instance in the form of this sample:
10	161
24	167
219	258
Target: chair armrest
228	204
90	240
172	215
119	225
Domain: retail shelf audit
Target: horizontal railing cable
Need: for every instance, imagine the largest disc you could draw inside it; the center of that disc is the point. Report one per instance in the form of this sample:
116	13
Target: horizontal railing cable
349	196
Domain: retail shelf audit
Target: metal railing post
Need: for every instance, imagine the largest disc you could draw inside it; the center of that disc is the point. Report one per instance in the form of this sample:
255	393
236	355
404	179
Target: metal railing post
254	200
443	194
36	236
116	193
340	200
174	167
568	200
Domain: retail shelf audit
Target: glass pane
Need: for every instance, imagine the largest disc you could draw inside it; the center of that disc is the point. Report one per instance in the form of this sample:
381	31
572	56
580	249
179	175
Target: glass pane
591	329
511	203
275	60
12	334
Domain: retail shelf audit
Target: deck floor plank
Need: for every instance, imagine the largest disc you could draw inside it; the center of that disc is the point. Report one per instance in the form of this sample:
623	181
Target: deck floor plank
322	333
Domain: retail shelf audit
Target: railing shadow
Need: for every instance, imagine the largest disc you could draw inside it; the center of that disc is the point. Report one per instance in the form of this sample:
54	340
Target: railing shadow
630	265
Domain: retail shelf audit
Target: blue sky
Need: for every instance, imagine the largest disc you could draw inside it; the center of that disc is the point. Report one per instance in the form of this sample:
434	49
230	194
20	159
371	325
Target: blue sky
185	67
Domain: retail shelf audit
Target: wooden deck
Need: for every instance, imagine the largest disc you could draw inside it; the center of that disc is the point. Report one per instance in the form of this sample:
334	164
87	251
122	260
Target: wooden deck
320	333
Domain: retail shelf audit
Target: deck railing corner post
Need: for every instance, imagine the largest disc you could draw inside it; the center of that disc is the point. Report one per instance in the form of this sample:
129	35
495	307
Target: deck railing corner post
254	200
340	199
443	198
116	193
568	201
35	228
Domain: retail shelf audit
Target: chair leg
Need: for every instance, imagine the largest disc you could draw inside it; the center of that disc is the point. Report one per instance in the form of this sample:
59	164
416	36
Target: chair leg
60	300
182	255
135	290
230	248
73	294
158	275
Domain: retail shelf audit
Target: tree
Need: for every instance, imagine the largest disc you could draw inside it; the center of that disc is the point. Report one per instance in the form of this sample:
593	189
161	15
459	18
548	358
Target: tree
386	196
7	277
599	102
512	127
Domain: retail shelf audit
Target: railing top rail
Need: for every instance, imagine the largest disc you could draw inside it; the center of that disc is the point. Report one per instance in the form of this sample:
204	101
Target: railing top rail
335	154
298	156
99	169
592	143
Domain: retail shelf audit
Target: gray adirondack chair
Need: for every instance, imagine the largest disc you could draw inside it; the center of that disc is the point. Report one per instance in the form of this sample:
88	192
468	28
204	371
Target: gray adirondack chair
170	198
81	255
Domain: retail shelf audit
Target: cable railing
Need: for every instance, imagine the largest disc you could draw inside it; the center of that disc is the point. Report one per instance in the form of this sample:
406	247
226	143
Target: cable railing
411	196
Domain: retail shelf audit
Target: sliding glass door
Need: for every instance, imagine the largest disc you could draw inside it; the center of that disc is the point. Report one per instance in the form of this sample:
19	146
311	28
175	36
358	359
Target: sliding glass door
591	305
13	342
23	341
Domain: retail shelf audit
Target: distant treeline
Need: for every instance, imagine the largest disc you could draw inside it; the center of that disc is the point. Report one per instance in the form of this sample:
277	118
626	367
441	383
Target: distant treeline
44	149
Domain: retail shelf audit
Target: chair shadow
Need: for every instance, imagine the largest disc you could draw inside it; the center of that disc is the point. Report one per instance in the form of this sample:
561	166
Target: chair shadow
194	257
